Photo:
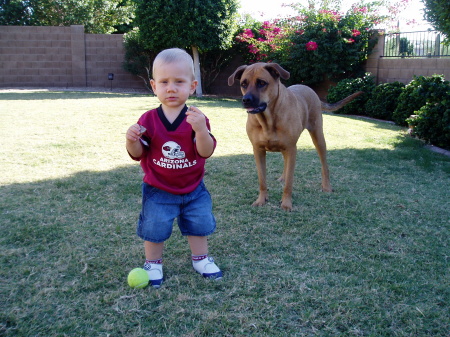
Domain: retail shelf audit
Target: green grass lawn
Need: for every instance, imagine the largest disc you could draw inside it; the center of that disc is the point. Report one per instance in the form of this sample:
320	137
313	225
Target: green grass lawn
370	259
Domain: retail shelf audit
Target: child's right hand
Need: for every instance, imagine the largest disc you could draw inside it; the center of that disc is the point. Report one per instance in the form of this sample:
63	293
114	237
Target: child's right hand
133	133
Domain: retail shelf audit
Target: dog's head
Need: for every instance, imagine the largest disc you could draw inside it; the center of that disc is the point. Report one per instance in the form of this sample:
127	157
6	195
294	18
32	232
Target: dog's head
259	83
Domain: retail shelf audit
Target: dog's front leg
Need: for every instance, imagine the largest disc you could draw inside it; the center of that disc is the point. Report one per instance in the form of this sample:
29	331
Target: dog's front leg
260	160
289	156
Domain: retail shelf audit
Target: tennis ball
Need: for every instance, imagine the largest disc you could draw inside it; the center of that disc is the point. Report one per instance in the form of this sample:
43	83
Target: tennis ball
138	278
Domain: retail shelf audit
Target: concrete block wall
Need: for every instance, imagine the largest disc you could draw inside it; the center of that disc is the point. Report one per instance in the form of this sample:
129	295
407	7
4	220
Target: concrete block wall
220	85
61	57
104	55
67	57
33	56
403	70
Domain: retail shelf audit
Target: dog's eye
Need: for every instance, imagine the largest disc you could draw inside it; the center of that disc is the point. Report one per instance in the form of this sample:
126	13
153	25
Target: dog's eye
244	84
261	83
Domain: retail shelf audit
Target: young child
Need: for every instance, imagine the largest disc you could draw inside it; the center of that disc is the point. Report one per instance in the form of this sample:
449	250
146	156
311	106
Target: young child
172	143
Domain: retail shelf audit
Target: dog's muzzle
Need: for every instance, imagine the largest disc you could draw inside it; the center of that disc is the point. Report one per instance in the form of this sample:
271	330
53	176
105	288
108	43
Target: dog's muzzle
252	105
257	110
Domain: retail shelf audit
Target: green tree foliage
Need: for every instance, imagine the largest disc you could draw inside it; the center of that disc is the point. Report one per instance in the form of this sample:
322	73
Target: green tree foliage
437	13
14	13
200	25
206	24
97	16
138	59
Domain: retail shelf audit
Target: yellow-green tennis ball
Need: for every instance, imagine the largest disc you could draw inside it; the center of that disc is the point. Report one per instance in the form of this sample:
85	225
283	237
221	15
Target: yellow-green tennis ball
138	278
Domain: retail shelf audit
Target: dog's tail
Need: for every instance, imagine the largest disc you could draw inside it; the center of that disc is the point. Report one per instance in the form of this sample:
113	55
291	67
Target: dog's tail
329	107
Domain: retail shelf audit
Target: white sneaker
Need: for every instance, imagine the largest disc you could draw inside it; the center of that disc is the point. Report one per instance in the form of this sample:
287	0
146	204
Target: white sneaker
155	274
207	268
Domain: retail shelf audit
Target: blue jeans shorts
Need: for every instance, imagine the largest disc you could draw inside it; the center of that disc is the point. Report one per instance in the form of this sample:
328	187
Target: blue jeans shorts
159	210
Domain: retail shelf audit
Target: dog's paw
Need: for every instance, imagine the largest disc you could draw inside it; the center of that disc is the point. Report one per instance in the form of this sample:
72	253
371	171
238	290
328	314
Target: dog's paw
261	201
286	206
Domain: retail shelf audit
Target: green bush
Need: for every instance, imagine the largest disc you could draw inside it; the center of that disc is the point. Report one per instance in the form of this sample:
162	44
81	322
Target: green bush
384	100
138	59
432	121
416	94
347	87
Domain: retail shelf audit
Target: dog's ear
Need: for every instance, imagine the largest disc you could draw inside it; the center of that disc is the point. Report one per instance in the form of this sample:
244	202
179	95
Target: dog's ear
236	75
277	71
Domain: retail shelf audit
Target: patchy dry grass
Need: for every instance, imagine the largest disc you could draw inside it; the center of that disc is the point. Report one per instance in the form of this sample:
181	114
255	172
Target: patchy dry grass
370	259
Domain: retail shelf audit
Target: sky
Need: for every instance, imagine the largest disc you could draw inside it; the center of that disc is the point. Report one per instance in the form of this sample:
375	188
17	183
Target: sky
271	9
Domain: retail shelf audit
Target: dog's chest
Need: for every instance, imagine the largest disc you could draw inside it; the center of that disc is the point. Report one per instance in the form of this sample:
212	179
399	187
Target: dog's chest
269	141
268	134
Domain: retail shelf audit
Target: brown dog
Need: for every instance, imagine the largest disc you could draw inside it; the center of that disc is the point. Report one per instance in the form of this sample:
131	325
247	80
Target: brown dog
276	117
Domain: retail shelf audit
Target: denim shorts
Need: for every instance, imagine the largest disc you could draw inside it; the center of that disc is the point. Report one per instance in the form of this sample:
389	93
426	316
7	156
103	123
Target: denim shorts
160	208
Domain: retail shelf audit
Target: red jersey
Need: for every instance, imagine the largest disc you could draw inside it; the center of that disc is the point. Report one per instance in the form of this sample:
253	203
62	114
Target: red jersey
170	160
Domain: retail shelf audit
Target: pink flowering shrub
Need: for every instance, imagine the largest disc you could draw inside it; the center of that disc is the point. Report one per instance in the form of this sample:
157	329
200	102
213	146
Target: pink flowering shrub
315	43
311	45
263	41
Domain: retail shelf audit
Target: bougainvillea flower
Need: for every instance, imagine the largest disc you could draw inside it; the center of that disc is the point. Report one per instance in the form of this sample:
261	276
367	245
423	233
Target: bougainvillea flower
311	45
355	32
253	49
248	33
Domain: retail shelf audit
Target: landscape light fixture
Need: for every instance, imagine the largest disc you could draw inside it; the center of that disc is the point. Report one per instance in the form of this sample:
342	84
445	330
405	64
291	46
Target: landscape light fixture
111	77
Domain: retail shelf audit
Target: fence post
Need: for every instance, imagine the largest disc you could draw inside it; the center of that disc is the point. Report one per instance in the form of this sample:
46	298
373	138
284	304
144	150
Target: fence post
437	48
373	60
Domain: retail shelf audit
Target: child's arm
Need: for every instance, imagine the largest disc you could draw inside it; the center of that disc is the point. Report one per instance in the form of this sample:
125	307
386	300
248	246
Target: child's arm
203	139
133	145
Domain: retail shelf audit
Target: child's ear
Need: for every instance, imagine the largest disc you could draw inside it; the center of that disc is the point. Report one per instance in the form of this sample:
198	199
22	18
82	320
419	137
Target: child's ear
153	84
193	86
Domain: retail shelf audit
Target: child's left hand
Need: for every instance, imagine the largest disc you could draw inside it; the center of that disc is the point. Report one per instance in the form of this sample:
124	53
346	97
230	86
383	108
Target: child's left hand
197	119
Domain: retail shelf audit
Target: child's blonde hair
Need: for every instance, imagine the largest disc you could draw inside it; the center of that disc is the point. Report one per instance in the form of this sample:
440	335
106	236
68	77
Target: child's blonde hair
174	55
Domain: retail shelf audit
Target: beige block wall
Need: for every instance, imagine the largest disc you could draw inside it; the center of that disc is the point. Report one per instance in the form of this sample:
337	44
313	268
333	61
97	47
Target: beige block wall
104	55
62	57
30	55
403	70
66	57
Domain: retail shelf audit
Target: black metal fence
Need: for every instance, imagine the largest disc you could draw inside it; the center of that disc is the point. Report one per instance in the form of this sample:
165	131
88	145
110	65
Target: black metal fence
415	44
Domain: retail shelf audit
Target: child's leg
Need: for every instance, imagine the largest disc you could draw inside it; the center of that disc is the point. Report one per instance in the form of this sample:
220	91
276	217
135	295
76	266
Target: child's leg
198	244
153	262
153	251
200	261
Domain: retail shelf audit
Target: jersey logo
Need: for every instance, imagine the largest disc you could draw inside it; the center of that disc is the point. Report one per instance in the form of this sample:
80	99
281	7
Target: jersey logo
172	150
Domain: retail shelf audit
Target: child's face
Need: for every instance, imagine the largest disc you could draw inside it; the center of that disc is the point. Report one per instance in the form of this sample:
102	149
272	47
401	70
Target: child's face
172	83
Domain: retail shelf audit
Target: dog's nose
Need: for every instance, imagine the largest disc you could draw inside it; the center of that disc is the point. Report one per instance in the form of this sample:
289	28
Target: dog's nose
247	99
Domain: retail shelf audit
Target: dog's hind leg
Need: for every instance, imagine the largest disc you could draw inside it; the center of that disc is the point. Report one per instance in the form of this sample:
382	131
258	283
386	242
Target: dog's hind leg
321	147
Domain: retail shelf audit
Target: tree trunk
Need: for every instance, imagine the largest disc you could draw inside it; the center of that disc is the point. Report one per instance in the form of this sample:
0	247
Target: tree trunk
197	72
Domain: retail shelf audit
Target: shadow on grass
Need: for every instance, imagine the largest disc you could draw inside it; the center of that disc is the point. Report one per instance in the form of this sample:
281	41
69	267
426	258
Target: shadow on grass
67	245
